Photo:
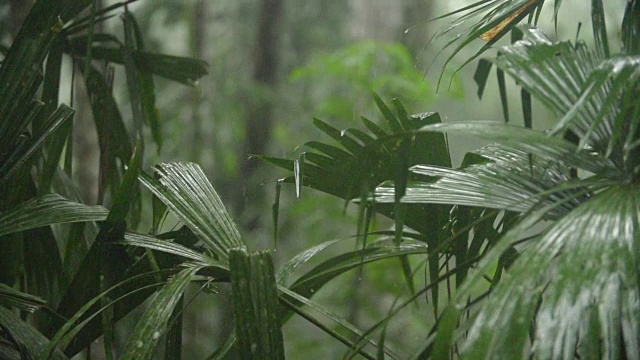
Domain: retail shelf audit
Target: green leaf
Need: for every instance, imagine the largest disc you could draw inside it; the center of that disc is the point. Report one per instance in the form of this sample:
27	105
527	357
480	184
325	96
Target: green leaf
447	324
24	151
482	75
29	341
504	100
11	297
180	69
537	143
314	279
82	307
255	305
492	13
47	210
631	28
146	335
611	129
113	138
133	84
184	188
512	181
569	304
599	28
149	242
348	176
301	305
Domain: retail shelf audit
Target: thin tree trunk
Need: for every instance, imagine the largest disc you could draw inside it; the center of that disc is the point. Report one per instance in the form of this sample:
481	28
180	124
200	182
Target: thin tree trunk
86	150
415	22
259	122
198	31
376	19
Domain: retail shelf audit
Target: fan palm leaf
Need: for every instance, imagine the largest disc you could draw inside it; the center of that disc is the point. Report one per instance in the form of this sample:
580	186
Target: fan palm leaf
577	287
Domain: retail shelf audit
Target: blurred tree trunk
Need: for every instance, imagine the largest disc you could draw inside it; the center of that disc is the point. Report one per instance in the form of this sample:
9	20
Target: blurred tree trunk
259	121
388	21
376	19
86	150
415	34
198	33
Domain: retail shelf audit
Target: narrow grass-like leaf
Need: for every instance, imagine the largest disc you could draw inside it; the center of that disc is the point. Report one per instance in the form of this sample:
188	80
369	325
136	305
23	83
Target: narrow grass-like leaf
47	210
133	85
255	305
300	259
393	122
339	136
10	297
20	157
31	342
146	335
275	211
295	301
81	329
317	277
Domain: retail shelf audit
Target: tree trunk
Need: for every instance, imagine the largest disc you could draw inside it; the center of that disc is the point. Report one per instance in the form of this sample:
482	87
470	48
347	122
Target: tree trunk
376	19
259	122
415	34
198	33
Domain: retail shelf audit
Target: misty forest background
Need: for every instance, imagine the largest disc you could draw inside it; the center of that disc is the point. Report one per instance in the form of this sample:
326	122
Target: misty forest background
274	65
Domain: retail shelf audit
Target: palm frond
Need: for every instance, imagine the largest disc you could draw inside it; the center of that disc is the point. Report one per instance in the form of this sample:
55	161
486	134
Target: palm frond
554	73
47	210
576	287
512	181
489	20
612	89
362	161
530	141
184	188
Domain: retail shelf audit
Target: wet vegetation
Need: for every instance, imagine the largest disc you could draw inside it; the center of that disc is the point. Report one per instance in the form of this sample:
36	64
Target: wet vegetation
527	249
